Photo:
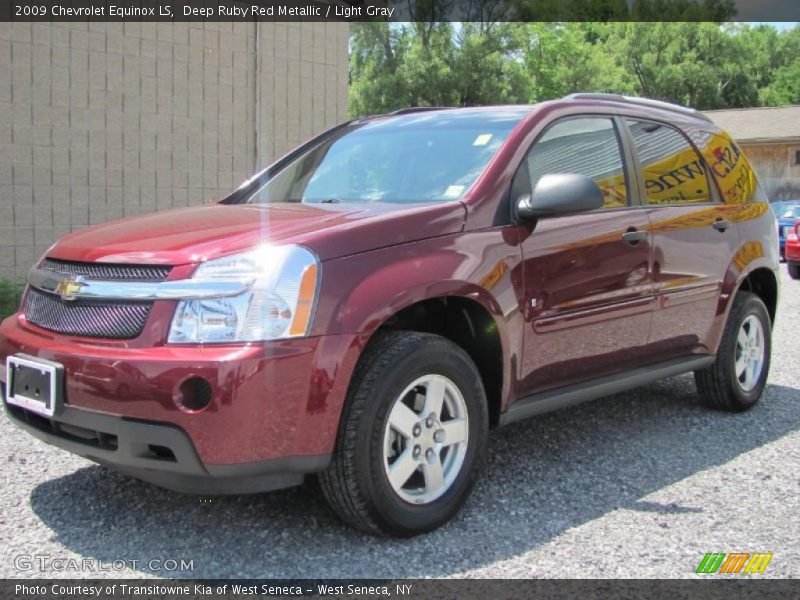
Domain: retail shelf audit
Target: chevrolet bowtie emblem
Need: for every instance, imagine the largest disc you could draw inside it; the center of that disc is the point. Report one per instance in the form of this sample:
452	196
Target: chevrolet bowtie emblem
68	288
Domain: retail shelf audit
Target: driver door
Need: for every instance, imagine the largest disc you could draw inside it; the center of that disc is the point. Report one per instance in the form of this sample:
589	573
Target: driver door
587	278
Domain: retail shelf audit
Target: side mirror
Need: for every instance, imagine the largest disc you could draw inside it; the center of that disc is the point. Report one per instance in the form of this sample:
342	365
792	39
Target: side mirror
560	193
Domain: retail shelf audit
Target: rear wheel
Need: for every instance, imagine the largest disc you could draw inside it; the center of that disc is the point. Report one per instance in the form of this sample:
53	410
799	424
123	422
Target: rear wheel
412	438
794	270
737	378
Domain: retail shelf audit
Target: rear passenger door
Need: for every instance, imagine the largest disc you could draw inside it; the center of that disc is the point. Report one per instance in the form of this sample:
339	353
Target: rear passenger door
694	236
586	277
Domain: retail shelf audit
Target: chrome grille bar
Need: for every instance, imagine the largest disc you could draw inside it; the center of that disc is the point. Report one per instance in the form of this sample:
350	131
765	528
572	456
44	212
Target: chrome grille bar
79	288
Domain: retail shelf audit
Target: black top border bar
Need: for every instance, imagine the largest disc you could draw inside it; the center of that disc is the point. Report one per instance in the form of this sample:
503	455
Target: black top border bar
398	10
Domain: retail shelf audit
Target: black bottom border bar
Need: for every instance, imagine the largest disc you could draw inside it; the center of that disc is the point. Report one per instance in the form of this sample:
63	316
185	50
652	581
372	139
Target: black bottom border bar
706	588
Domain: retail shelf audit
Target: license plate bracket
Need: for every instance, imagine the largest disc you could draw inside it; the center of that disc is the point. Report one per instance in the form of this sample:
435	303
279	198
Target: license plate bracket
34	383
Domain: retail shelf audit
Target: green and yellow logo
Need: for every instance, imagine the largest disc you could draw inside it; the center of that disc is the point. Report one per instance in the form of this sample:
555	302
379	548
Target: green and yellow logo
735	562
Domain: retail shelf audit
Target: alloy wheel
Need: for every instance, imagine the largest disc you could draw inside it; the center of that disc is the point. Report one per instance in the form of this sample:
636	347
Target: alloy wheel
425	439
750	347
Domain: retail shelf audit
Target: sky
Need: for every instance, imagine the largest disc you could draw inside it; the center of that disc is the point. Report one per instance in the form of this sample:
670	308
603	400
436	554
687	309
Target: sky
781	24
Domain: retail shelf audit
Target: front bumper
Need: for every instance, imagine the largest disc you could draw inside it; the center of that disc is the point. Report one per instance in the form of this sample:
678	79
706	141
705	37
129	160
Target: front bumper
160	454
275	408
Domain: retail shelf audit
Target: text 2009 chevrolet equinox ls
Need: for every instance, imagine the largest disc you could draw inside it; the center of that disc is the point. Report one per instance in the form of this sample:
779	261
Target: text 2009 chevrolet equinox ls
368	307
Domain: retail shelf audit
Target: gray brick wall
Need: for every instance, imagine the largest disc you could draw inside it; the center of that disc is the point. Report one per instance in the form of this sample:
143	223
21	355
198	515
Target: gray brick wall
100	121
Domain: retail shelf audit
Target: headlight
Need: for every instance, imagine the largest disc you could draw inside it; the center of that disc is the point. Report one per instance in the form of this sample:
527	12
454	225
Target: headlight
277	305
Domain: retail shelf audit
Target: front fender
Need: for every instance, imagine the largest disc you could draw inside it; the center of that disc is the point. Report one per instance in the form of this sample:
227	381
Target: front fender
359	293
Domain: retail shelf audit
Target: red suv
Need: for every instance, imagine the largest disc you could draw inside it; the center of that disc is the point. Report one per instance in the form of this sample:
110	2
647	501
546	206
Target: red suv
792	250
370	305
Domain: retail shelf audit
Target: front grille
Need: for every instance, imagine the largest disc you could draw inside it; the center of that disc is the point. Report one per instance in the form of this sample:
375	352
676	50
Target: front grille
110	320
92	318
108	272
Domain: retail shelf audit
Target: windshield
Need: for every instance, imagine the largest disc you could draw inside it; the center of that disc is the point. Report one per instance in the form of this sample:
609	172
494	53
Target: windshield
424	157
791	212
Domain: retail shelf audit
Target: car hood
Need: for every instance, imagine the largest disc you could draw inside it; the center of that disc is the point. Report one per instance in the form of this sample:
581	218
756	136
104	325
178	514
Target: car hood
191	235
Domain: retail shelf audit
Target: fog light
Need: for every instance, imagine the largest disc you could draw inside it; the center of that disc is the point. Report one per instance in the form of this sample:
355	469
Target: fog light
193	395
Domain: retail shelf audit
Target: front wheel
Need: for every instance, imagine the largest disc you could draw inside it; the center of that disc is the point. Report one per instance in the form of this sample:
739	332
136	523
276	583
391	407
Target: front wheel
738	377
412	438
794	269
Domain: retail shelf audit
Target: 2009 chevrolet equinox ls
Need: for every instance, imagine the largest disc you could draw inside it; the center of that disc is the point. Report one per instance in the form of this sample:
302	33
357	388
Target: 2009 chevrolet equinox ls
370	305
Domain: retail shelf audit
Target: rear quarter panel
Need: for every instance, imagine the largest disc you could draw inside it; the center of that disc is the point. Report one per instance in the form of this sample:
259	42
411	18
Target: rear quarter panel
738	185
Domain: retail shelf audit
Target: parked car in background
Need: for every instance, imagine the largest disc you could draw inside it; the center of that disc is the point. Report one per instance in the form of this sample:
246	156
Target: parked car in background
793	250
370	305
787	212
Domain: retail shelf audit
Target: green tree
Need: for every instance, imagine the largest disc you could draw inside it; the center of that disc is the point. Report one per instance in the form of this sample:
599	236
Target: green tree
781	84
498	78
561	58
702	64
377	55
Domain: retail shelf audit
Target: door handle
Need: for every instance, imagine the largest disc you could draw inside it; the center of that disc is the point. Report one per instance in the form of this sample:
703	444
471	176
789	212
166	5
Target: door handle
633	236
721	224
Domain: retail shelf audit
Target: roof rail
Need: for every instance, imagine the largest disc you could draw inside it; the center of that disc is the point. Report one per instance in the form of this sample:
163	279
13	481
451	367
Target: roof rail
414	109
640	102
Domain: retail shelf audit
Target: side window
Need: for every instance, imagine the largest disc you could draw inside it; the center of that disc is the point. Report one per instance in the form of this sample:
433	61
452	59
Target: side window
730	168
587	146
674	173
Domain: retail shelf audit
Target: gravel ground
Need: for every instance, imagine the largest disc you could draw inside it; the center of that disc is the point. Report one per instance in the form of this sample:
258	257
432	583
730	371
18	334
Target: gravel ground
640	484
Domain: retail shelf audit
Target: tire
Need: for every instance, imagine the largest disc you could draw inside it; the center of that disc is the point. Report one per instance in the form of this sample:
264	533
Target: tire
794	269
357	483
724	385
